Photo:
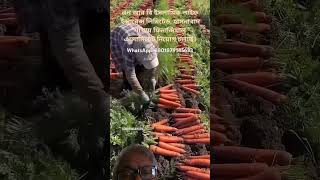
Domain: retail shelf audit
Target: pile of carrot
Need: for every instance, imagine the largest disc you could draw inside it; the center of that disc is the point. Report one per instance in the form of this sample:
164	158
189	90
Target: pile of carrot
168	98
246	66
195	167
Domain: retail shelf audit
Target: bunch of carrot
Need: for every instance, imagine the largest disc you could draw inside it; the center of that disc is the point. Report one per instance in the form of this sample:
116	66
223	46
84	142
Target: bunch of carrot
186	78
168	98
246	62
195	167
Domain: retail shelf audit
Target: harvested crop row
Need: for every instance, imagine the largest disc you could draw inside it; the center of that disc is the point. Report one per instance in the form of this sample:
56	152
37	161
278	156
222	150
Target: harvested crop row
246	68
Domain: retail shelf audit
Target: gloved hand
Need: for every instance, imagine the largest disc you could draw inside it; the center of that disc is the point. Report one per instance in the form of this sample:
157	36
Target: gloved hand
153	82
144	97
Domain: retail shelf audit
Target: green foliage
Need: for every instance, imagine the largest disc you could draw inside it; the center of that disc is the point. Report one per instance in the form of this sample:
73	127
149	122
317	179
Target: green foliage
23	157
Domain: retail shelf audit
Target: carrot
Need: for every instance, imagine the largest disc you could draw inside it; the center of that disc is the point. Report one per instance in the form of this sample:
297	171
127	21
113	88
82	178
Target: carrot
184	168
188	129
198	175
167	87
196	136
257	78
186	81
184	76
168	103
243	63
198	162
170	139
219	138
9	21
238	170
165	91
191	90
200	157
7	10
197	141
189	124
188	110
181	121
192	86
181	115
168	97
248	155
7	15
164	106
199	131
179	145
163	128
237	47
171	148
163	152
219	128
157	134
160	122
268	174
265	93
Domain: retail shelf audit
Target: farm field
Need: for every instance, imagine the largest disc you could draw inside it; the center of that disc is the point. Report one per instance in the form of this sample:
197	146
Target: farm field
180	115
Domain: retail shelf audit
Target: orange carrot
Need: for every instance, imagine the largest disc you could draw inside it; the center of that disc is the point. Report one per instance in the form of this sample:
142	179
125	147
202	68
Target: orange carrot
257	78
171	148
198	162
192	86
199	157
186	81
197	141
265	93
198	175
184	168
163	128
188	129
199	131
165	91
188	110
191	90
160	122
169	103
170	139
167	87
181	121
157	134
164	106
181	115
189	124
179	145
163	152
168	97
196	136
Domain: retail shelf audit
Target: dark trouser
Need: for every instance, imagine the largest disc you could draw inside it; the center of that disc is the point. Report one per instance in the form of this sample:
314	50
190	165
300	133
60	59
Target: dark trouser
81	52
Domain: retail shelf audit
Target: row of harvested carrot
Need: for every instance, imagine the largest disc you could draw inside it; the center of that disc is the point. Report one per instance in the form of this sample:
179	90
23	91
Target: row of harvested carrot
249	67
8	17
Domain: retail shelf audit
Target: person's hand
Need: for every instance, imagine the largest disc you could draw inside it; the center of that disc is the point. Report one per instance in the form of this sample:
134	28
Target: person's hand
153	83
144	97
